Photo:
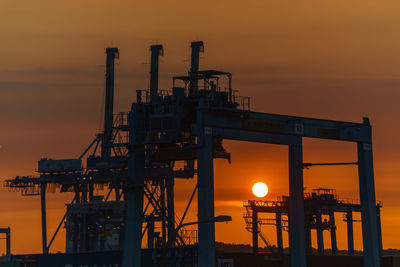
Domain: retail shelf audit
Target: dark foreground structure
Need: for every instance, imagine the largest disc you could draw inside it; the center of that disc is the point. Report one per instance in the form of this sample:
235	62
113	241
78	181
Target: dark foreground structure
138	159
187	259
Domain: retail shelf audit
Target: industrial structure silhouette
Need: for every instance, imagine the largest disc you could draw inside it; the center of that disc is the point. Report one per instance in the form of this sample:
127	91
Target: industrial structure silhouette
135	158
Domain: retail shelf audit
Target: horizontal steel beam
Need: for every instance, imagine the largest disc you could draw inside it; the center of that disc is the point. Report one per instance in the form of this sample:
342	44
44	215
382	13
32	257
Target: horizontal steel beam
241	135
329	164
233	119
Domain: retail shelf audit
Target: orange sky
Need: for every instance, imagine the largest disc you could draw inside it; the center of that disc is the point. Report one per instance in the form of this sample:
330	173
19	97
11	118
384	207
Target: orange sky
328	59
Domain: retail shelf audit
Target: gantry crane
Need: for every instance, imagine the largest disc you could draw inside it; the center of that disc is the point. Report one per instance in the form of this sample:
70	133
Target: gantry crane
189	124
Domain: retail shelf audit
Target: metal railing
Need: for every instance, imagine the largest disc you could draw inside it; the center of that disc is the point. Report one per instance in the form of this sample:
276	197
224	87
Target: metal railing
120	119
189	237
262	203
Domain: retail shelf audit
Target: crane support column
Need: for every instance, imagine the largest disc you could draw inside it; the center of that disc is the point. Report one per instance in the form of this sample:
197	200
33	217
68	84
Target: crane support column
308	241
368	204
156	51
150	233
91	191
254	230
171	212
8	244
296	206
43	210
333	232
320	234
197	47
279	232
205	179
378	218
132	251
350	234
112	53
163	211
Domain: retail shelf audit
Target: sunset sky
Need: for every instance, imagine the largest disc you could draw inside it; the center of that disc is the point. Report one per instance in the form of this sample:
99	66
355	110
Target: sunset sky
327	59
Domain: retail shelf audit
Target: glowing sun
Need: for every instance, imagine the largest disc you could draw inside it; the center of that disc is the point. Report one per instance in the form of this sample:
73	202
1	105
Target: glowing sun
260	189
